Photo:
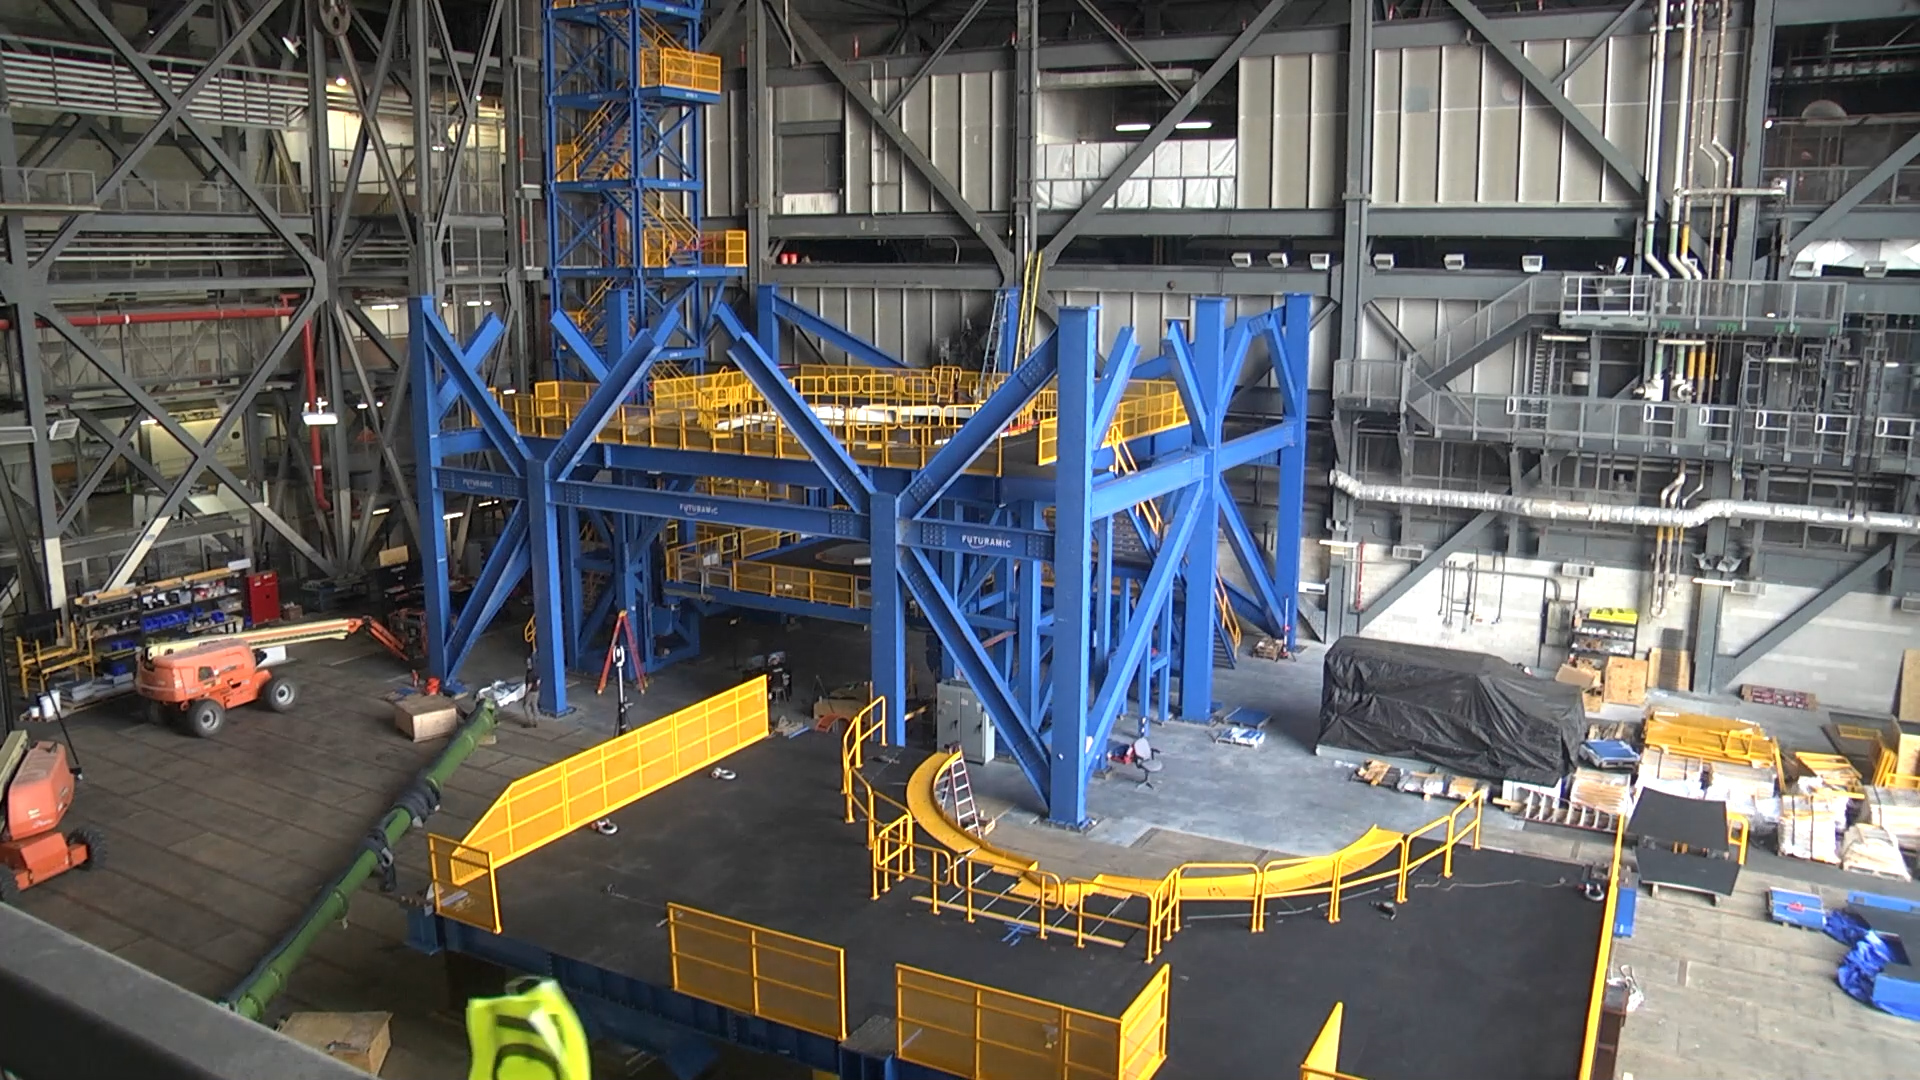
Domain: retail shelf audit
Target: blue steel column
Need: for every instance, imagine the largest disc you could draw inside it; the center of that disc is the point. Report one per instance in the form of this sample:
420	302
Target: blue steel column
1024	584
1203	551
889	617
549	641
1290	367
1072	569
435	573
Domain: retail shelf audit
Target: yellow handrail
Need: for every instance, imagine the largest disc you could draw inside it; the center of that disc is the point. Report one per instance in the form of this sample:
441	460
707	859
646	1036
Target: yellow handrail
1125	463
1603	963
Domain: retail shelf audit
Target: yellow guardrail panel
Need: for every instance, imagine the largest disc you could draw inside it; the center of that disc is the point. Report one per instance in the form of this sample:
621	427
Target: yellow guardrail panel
464	888
979	1032
1603	962
751	969
1143	1028
543	806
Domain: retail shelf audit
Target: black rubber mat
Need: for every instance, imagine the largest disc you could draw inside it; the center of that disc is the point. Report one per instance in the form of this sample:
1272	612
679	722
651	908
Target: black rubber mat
1486	975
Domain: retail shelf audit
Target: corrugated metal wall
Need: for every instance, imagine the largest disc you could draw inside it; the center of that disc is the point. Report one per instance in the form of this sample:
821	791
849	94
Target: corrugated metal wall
1453	125
957	119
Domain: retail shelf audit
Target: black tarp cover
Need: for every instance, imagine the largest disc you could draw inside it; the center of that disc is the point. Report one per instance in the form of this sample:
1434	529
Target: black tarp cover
1465	712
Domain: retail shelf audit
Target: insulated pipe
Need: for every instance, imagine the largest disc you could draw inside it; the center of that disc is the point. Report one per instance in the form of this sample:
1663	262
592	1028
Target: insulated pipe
142	318
1677	228
1617	514
1656	110
420	799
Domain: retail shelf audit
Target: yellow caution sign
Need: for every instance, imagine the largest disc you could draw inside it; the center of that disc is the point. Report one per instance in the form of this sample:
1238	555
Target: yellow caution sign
1623	616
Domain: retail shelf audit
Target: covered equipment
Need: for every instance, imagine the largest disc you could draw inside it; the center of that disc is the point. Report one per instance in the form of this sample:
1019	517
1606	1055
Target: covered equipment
1466	712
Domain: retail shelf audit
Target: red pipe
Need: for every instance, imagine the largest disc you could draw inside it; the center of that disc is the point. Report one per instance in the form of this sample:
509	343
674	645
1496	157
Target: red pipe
140	318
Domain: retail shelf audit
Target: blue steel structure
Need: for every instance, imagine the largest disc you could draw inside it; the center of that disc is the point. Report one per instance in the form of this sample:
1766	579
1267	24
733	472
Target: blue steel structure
1015	576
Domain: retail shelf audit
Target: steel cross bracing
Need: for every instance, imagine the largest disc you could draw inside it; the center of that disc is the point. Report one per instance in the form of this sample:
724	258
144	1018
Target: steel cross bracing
1016	577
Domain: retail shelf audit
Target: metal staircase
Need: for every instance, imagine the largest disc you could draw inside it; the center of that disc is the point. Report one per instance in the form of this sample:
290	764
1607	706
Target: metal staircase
1228	633
1531	305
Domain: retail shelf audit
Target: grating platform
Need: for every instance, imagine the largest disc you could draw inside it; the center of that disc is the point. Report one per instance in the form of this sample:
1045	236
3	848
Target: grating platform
1484	975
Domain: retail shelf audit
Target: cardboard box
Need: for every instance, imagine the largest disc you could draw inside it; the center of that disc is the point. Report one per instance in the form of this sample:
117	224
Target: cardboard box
1626	681
359	1039
1588	679
425	716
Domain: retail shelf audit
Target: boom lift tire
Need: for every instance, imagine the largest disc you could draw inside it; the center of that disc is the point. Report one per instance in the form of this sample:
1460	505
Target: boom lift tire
281	693
204	718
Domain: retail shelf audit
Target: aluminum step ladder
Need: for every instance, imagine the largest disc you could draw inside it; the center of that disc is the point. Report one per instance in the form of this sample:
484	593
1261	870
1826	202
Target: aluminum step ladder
1547	810
956	785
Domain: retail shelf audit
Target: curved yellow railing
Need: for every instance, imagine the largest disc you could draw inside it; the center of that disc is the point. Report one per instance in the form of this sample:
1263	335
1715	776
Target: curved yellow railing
953	862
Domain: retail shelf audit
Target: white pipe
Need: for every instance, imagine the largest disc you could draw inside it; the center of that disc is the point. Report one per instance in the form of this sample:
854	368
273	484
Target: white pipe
1656	108
1682	149
1690	517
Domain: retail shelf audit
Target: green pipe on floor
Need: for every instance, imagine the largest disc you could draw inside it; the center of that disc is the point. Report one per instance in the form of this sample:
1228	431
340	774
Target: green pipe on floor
420	799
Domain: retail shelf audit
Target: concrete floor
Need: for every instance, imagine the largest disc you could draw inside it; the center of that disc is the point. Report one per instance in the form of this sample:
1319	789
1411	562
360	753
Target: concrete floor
215	845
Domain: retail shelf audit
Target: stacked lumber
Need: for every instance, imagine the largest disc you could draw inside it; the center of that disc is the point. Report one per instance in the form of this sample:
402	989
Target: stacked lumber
1896	810
1870	849
1810	827
1602	790
1671	772
1746	789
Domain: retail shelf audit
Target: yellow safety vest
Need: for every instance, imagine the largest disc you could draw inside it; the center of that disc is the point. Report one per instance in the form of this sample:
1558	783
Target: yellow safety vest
529	1034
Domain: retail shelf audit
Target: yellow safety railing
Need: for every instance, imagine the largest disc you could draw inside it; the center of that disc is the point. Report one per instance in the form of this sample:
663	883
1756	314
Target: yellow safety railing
1886	771
724	247
1713	738
887	419
476	899
977	879
543	806
681	69
1603	963
776	976
1124	464
1323	1058
976	1031
724	562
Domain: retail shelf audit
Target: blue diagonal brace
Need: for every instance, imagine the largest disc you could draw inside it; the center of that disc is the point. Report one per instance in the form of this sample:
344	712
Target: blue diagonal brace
1155	595
1238	341
1112	385
578	344
1179	357
833	334
1290	369
615	387
506	564
1252	562
826	451
980	430
944	615
462	369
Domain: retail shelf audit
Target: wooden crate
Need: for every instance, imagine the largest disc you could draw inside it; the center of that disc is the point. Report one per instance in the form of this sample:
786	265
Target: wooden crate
1908	707
1626	681
1670	669
359	1039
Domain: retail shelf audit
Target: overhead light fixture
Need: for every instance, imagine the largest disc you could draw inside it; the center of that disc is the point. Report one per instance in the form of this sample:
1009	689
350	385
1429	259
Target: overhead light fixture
1194	125
339	80
1562	337
1320	260
1683	342
509	390
473	303
1875	268
454	515
292	46
1277	259
1454	261
1243	259
1804	268
64	428
1383	261
317	414
1533	264
388	306
1132	127
359	404
148	421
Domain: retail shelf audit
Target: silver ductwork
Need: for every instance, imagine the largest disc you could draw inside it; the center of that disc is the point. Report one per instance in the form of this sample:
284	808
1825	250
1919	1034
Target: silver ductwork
1616	514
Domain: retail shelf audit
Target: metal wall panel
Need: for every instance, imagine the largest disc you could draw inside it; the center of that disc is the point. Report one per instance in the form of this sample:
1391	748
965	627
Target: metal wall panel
1454	125
958	120
1292	121
1421	321
726	179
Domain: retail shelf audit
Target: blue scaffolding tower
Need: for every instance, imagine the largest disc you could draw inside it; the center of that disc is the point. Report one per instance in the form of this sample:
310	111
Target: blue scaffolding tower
1017	573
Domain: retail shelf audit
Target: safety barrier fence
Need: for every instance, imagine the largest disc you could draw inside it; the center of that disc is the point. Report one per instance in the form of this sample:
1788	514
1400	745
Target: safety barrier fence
1886	771
776	976
886	419
680	69
962	874
543	806
972	1030
724	562
1603	962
